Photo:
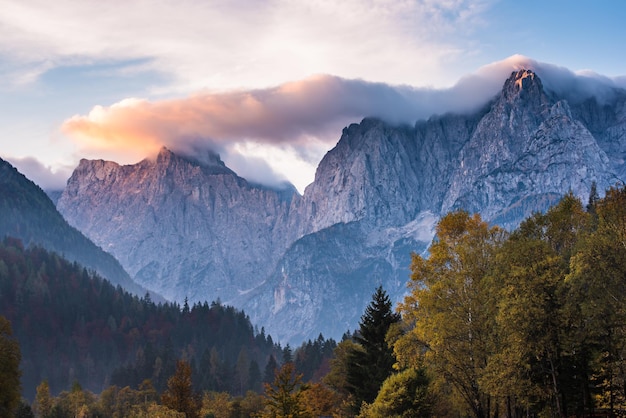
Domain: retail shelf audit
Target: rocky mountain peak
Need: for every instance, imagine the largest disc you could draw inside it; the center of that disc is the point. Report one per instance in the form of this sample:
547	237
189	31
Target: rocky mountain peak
207	160
524	85
524	79
164	156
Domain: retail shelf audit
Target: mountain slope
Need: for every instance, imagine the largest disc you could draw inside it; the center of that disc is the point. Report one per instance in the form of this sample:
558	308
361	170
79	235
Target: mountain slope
301	265
27	213
76	327
180	226
518	155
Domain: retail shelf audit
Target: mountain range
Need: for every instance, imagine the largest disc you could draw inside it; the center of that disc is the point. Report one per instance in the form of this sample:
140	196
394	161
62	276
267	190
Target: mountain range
187	226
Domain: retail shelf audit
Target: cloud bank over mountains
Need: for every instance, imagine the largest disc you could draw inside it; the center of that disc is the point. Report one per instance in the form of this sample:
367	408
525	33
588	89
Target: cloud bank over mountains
300	120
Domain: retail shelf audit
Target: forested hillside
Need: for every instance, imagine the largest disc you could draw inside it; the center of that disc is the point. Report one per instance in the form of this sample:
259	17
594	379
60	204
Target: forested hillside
27	213
73	326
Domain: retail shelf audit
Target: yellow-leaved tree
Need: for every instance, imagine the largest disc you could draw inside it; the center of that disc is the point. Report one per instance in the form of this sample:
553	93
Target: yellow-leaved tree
450	312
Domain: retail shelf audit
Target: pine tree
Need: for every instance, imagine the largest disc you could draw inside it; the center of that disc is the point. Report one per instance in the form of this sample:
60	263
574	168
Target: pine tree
287	354
593	198
368	368
270	369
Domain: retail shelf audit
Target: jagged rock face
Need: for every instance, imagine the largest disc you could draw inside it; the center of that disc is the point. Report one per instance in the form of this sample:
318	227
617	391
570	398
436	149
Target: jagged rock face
304	265
528	144
185	228
607	123
382	175
325	279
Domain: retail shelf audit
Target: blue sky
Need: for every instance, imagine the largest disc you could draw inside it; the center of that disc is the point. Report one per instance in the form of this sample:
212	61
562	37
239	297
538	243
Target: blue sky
268	84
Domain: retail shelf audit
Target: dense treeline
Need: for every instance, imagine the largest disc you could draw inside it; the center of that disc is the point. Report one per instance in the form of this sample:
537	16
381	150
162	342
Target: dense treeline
27	213
73	326
527	323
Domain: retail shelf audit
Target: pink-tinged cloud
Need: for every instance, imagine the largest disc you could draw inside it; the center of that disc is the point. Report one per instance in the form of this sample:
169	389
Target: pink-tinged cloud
299	115
285	114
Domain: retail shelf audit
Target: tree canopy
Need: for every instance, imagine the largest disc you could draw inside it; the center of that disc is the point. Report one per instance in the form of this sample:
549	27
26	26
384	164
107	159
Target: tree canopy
530	322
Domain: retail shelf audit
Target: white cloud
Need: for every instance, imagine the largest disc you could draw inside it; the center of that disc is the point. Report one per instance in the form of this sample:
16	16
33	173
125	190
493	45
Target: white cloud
229	44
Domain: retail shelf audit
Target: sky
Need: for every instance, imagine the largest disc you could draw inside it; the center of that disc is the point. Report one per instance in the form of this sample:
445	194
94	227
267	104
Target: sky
269	85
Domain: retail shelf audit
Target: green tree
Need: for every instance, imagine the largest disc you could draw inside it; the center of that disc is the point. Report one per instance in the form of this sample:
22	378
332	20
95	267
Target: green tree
450	311
542	363
597	295
242	372
402	395
24	410
368	368
283	398
593	198
337	376
270	369
9	370
179	394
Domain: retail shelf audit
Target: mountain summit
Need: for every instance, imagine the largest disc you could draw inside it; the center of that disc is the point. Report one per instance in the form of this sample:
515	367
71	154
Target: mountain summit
300	265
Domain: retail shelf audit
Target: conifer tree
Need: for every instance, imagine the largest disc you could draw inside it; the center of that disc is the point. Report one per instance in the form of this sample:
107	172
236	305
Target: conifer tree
368	368
270	369
287	354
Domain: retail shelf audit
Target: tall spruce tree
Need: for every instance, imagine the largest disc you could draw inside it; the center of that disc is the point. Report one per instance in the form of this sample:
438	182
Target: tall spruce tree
368	368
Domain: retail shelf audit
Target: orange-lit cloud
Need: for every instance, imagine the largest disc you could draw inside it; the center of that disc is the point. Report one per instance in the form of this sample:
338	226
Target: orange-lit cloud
303	117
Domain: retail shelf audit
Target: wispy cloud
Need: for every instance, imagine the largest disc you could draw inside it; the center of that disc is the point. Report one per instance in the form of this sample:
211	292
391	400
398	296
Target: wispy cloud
230	44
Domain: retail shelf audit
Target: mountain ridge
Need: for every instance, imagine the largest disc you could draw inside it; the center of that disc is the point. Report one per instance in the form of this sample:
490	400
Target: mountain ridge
212	201
516	155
